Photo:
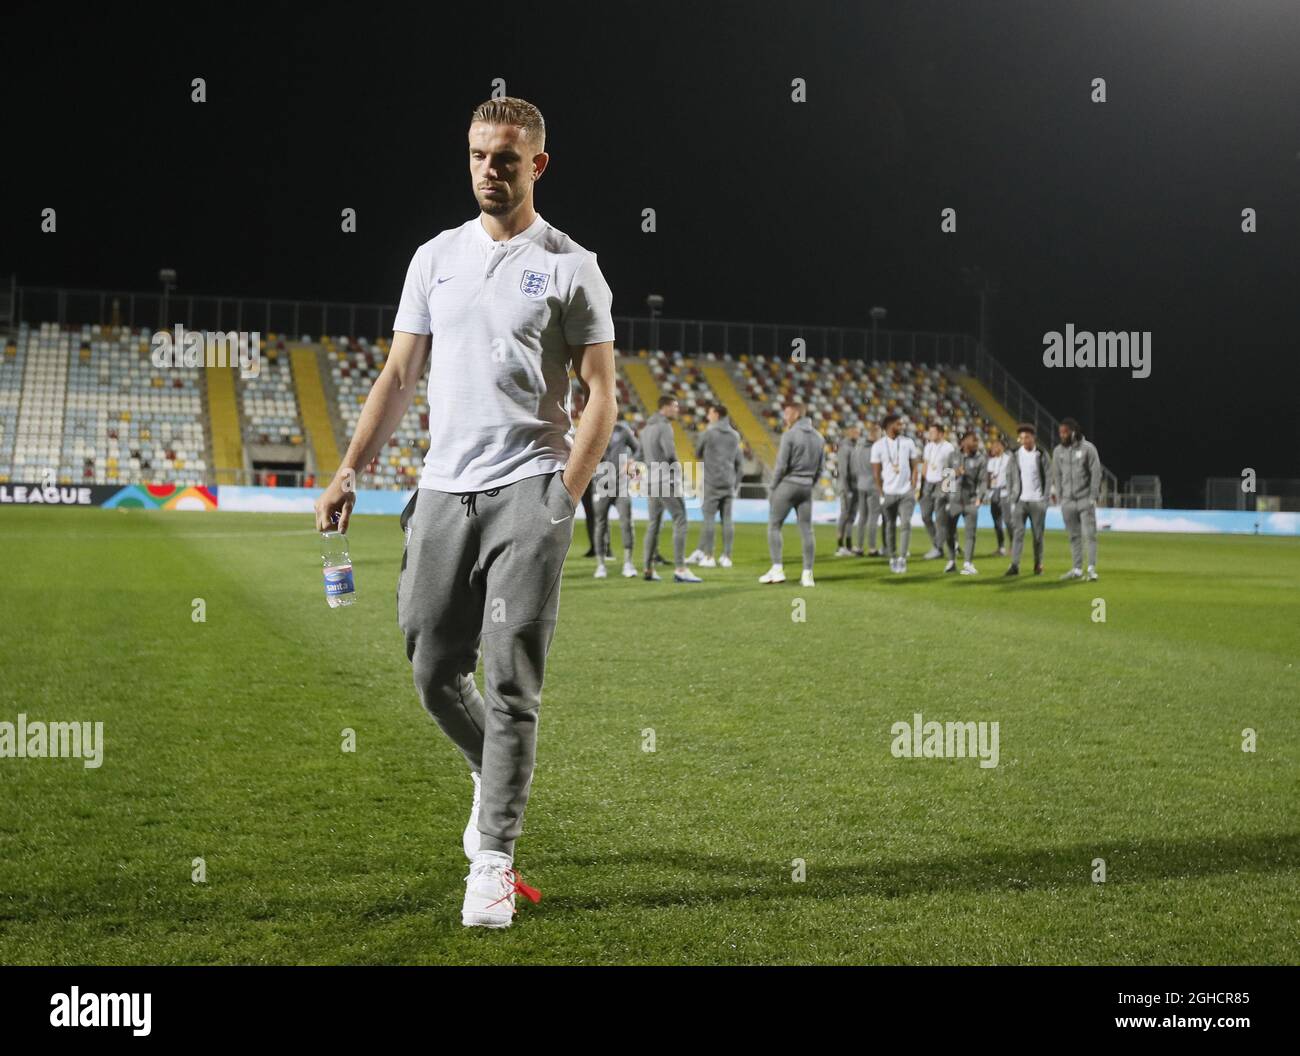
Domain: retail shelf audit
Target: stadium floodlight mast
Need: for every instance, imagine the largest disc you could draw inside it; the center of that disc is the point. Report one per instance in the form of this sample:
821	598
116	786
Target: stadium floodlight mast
877	313
655	302
167	276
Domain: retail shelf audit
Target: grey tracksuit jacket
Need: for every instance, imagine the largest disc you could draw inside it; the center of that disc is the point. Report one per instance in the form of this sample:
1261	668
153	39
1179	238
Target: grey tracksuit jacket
972	484
844	479
800	456
1076	472
1014	482
718	447
863	478
622	441
659	452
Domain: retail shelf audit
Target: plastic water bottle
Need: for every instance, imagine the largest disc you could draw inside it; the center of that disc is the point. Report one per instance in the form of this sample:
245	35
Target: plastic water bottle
339	588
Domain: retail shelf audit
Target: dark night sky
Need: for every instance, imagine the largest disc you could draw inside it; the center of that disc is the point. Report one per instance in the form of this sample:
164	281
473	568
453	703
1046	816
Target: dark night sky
1118	216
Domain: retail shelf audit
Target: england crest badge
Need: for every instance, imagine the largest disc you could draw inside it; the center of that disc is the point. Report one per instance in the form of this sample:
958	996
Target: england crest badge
534	283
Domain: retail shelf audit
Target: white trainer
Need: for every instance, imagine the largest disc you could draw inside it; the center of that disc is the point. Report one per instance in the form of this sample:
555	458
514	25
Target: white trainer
600	572
470	838
695	556
932	553
629	570
490	890
951	566
968	569
1092	572
806	580
1074	573
775	574
724	561
843	551
708	562
902	566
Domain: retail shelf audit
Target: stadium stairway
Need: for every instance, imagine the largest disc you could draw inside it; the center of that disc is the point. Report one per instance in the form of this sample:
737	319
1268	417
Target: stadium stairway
742	417
986	401
638	374
223	421
314	407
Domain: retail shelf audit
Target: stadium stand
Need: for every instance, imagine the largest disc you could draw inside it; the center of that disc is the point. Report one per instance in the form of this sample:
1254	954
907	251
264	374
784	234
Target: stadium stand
94	409
269	408
89	401
353	364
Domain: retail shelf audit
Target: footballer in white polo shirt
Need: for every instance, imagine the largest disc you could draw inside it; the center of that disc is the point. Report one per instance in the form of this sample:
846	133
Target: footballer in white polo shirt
500	308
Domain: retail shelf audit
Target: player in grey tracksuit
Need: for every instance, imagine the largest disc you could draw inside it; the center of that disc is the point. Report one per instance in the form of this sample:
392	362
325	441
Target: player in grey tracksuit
1076	482
665	489
718	447
1020	507
799	462
610	487
846	491
870	514
965	484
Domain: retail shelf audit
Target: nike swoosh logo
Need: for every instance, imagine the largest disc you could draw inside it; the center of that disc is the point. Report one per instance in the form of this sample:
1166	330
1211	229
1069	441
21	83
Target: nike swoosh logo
554	521
447	279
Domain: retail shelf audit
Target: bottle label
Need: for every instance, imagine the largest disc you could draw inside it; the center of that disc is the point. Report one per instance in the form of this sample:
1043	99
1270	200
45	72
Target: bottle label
338	581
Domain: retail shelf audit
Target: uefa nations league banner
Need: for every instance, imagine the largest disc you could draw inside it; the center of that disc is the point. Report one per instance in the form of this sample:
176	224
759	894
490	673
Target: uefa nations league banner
754	511
110	496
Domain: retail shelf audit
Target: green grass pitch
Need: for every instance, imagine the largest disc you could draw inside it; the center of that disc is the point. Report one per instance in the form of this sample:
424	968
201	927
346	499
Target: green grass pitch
1119	740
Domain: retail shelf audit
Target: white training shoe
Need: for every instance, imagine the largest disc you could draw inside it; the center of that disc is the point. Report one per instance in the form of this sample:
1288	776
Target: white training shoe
469	840
775	574
806	580
932	553
600	572
490	890
724	561
695	556
629	570
968	569
843	551
1092	572
902	566
686	577
951	566
708	562
1074	573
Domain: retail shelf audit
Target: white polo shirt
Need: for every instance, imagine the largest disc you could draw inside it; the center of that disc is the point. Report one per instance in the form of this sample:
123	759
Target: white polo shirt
503	317
998	469
895	458
936	458
1031	484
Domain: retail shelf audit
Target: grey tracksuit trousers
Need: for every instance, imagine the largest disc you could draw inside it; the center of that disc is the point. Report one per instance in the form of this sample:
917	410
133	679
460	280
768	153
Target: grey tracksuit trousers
848	515
676	508
787	496
900	507
1037	514
623	505
481	578
869	512
1000	511
934	512
970	514
711	506
1081	525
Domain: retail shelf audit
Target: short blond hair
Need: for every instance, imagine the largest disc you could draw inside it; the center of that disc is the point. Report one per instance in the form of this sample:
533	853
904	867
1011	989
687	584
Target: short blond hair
511	111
